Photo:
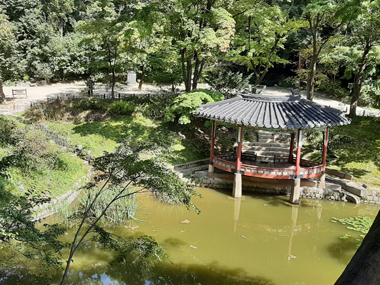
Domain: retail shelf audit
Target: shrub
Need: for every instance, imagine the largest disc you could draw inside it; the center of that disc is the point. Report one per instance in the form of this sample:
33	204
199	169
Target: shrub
120	108
224	80
185	105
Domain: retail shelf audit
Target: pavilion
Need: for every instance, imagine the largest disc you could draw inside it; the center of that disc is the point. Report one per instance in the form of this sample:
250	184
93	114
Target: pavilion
291	114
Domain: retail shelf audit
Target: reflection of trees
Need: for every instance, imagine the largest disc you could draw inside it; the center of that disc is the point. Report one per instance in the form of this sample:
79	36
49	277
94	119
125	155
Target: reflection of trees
165	273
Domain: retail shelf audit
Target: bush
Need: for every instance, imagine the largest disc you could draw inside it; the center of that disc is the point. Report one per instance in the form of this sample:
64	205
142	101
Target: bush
185	105
7	128
224	80
120	108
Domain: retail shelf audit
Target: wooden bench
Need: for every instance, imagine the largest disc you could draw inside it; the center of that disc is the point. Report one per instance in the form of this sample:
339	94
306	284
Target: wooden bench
19	92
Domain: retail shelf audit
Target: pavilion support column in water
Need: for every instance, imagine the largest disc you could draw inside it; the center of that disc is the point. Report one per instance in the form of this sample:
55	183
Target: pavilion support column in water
238	183
295	194
211	165
322	178
296	189
290	160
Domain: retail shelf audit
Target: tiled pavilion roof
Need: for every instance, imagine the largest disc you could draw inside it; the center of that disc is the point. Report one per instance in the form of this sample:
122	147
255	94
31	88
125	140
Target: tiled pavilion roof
273	112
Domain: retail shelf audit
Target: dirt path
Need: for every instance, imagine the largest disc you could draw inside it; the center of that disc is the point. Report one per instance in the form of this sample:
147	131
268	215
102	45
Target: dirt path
42	93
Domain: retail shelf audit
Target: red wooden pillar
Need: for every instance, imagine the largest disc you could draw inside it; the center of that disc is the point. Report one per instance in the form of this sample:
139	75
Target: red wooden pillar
213	130
322	178
298	158
239	148
211	165
325	143
290	160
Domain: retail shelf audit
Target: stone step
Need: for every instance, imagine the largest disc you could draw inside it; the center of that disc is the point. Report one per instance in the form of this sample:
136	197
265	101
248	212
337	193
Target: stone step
271	144
267	153
264	148
270	133
271	141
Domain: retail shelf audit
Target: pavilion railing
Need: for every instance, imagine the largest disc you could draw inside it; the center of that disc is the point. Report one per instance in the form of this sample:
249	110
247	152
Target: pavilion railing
308	168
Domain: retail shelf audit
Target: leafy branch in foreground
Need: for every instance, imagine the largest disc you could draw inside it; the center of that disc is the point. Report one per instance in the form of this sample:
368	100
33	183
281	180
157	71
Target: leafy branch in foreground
18	231
129	170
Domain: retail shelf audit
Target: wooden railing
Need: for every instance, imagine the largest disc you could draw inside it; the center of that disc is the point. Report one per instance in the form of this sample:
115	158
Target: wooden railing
308	168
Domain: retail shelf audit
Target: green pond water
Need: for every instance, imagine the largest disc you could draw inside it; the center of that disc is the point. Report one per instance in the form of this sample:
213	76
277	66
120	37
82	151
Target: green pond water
255	240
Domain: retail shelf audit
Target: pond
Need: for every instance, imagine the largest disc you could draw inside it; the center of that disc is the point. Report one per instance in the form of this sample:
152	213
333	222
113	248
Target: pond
255	240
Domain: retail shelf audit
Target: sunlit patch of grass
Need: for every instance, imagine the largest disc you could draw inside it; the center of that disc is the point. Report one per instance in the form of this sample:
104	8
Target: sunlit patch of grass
361	156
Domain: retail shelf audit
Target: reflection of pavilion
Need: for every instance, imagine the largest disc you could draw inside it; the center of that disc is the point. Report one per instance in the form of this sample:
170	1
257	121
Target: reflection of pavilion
290	114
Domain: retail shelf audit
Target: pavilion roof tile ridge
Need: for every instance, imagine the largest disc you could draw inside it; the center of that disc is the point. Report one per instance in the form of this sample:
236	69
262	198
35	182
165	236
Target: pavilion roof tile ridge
230	110
270	112
302	116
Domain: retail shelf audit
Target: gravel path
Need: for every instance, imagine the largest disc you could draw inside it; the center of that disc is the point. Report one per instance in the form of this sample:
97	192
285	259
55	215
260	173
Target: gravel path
43	93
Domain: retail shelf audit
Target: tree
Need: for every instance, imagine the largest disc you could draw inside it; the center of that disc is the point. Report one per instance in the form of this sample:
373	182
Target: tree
320	16
142	166
7	44
364	41
103	35
197	29
262	32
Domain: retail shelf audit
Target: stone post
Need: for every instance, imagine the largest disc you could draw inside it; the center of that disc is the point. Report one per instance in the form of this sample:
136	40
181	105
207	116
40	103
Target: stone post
322	181
296	191
238	186
238	183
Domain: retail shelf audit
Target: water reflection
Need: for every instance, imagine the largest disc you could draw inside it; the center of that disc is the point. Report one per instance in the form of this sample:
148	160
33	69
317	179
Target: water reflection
232	241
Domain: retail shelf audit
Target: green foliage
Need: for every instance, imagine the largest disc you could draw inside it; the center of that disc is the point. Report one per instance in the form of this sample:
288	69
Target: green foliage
223	80
119	212
19	231
120	108
262	31
185	105
142	165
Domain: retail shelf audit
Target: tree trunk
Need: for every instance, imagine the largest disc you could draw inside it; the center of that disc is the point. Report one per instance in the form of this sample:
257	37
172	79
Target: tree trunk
186	70
2	95
142	77
363	268
311	77
355	94
113	84
198	69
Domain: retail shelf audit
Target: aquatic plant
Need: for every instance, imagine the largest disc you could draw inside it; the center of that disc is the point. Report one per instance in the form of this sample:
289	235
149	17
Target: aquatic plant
65	211
358	223
120	211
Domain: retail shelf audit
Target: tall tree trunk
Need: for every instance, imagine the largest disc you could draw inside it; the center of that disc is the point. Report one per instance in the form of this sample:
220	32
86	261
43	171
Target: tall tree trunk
363	268
113	84
355	93
311	77
186	70
198	69
142	77
2	95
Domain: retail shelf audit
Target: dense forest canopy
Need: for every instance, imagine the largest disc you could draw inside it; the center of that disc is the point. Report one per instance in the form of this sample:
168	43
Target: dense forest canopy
331	45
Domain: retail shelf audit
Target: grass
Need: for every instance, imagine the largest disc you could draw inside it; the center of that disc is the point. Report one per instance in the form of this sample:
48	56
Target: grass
42	166
98	137
357	150
57	181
